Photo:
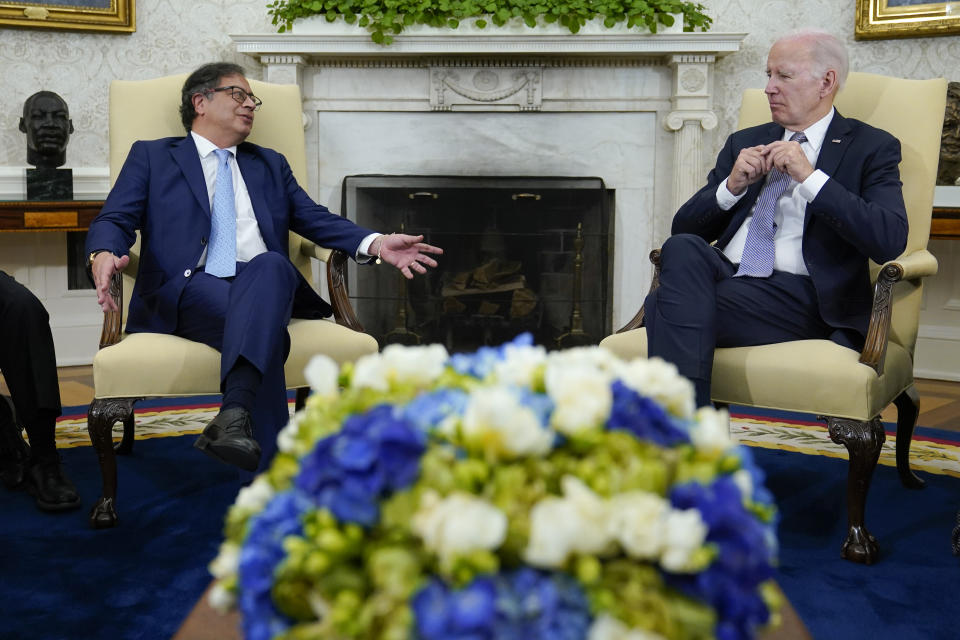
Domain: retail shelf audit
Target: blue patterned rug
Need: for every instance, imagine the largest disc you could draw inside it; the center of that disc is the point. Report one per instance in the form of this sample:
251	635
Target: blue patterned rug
62	580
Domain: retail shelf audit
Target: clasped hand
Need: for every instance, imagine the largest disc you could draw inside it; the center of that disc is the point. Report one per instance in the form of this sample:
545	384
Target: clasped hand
754	163
407	253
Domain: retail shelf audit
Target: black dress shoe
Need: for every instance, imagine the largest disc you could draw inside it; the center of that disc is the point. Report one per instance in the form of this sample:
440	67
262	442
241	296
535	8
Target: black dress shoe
14	451
229	438
50	487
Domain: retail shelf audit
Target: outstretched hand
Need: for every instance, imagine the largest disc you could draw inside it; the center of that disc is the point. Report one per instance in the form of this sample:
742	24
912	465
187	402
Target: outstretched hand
105	264
407	253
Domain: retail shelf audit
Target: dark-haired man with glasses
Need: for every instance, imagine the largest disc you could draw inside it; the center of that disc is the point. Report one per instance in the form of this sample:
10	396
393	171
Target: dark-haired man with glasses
214	213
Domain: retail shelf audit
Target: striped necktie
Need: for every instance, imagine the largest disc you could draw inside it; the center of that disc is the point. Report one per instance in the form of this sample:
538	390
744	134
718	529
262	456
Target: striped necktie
758	249
222	251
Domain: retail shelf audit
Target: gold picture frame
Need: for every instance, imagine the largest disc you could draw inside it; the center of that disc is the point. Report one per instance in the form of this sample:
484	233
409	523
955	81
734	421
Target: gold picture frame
109	16
905	19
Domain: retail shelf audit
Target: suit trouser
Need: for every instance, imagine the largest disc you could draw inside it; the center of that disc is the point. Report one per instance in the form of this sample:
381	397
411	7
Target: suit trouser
699	306
29	363
246	316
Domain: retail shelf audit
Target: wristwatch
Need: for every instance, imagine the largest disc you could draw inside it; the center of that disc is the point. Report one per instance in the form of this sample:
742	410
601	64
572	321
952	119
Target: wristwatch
93	254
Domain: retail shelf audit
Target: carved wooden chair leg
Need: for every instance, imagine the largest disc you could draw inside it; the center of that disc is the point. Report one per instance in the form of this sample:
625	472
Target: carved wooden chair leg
125	446
101	417
302	393
908	408
863	441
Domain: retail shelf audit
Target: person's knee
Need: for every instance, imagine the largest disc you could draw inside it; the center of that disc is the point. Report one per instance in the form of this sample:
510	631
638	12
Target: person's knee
22	303
273	264
682	245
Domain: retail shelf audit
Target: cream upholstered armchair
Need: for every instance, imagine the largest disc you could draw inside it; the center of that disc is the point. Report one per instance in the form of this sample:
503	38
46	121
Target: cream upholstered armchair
131	367
847	389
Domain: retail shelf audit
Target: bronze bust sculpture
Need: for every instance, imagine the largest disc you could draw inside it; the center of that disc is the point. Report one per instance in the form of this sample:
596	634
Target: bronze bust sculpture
46	121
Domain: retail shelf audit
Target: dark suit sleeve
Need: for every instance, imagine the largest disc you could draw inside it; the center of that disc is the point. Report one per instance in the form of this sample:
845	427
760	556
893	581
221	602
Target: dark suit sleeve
315	222
700	215
875	219
115	227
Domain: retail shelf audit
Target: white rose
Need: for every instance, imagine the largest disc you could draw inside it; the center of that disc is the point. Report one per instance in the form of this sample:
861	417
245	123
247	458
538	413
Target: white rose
496	421
658	379
575	523
553	532
637	523
685	532
227	561
410	365
711	430
256	495
606	627
458	524
321	374
744	482
286	439
220	599
519	364
594	358
582	398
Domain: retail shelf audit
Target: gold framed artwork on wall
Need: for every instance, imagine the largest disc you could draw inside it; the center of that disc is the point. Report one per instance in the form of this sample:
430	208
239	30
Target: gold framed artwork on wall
109	16
906	19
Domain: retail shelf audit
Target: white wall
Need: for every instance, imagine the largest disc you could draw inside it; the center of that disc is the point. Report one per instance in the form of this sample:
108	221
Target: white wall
170	40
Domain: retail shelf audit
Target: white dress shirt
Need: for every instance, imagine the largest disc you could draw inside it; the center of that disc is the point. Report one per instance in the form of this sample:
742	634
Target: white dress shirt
791	207
249	240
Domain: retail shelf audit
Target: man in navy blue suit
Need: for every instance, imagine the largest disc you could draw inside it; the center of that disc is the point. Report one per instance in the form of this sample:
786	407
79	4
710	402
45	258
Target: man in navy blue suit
793	210
214	266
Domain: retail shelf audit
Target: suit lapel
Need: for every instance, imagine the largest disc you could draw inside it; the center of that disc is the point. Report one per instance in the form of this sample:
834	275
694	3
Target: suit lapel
835	144
253	176
185	154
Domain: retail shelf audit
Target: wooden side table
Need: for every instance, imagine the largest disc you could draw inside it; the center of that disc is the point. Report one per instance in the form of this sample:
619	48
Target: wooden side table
52	215
945	222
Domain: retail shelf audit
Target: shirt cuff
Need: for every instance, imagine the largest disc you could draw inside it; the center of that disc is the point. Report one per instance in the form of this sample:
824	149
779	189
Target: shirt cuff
725	199
810	188
363	251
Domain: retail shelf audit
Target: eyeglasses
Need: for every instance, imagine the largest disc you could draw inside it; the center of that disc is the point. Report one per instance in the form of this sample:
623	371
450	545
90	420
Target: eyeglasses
239	94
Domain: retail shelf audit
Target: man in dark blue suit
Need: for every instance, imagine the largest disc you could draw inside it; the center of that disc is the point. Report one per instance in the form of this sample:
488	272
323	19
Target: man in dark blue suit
794	209
214	212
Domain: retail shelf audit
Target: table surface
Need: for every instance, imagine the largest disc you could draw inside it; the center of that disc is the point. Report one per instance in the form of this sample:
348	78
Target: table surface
204	623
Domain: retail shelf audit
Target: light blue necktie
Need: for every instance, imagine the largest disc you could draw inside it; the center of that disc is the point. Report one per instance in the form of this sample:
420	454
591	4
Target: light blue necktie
758	249
222	250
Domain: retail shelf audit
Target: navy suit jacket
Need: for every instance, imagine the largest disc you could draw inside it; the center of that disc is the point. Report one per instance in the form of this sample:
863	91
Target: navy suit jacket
858	214
161	192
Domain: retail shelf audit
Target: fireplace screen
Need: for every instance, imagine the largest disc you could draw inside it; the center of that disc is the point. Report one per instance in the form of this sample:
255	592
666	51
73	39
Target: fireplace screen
520	254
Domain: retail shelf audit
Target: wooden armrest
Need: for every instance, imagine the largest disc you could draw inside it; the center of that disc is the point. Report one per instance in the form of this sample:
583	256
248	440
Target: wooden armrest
337	285
637	321
915	265
113	320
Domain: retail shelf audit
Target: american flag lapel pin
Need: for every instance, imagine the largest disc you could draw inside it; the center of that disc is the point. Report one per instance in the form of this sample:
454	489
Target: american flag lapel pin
836	141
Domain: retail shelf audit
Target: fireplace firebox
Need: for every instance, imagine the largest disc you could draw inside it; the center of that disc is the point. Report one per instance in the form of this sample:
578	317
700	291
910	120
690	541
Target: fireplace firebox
521	254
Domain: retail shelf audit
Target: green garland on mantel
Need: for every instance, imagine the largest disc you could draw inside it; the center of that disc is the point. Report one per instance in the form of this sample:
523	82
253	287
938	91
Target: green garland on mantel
386	18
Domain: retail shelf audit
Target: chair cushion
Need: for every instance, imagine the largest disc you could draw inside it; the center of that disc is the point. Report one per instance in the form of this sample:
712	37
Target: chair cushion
810	376
160	365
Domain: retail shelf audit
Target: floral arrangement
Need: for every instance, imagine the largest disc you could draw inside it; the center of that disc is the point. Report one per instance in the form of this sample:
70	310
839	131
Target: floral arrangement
508	493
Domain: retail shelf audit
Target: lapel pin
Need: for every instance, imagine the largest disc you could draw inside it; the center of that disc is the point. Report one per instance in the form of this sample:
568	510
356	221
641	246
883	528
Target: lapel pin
836	140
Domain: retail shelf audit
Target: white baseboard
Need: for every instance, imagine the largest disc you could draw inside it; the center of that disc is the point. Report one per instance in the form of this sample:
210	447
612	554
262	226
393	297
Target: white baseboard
937	356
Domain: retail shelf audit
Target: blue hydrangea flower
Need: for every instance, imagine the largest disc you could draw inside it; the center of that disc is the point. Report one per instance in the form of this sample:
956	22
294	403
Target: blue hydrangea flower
519	605
744	560
260	554
644	418
761	494
481	363
427	410
373	455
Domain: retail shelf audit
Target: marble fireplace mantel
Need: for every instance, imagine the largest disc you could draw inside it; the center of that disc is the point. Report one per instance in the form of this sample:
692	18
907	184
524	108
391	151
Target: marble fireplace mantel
630	108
